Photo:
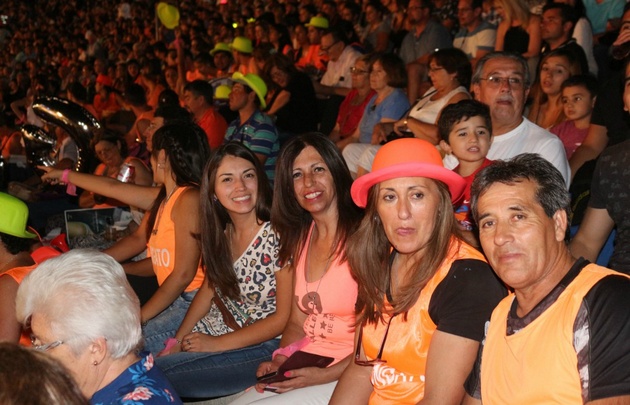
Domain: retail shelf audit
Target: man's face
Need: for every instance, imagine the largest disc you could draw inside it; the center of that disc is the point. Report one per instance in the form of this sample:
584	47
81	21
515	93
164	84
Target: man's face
520	241
552	28
416	12
505	100
239	98
314	35
626	90
222	60
330	47
466	15
193	103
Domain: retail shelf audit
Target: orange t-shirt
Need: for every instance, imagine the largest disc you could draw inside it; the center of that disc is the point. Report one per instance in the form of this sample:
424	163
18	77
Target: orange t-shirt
538	364
401	379
161	245
18	274
214	125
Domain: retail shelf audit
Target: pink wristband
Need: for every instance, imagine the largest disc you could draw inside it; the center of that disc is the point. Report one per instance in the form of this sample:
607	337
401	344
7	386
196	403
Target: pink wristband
292	348
70	188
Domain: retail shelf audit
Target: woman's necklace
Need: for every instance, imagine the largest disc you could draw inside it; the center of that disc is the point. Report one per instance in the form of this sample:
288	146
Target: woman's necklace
312	297
159	215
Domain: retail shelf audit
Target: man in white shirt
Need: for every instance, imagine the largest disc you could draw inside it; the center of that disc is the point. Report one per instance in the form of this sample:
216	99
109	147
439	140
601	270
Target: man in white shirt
502	81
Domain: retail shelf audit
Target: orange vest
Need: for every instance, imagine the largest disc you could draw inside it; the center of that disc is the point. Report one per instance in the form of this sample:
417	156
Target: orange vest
18	274
161	246
401	379
538	364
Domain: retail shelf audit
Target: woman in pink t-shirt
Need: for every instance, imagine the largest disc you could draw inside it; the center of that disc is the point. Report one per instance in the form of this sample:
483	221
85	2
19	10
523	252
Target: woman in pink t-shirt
312	187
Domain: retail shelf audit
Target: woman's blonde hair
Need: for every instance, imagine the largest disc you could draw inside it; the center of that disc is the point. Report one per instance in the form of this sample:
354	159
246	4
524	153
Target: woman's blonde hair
515	10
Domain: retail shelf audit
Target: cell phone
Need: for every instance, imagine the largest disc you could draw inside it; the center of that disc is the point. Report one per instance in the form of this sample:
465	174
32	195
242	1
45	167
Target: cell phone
297	360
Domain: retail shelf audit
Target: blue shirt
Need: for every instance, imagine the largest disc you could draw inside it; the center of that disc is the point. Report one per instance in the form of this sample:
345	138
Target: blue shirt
392	107
260	135
140	384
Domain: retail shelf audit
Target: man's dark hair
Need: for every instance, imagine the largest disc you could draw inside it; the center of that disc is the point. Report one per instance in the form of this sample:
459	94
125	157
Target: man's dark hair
14	244
462	111
135	95
588	81
201	88
338	34
172	113
567	13
551	191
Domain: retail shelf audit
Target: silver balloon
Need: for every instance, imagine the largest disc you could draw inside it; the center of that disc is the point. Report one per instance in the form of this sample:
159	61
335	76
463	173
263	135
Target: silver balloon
39	145
78	122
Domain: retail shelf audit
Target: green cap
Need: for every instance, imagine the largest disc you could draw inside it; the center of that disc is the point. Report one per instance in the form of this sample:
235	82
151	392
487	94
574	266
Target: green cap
222	92
13	217
318	22
255	83
242	44
221	47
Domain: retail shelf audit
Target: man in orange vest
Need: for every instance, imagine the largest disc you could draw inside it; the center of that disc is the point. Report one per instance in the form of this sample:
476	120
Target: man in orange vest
563	336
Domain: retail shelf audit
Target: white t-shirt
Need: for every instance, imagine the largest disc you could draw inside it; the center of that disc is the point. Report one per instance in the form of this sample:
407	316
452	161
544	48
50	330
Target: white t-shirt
338	72
526	138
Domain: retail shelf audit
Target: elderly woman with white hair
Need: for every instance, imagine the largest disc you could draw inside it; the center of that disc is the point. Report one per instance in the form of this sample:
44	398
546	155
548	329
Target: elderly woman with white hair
83	312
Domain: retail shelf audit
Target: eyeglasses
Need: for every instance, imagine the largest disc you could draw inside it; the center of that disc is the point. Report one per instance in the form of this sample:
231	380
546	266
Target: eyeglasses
356	71
378	359
326	49
45	347
496	81
435	69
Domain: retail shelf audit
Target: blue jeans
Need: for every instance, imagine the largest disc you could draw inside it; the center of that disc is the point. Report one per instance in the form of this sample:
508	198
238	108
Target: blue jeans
165	325
211	375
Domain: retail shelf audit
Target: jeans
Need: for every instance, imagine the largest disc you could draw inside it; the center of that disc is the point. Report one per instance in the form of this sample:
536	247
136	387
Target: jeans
165	325
211	375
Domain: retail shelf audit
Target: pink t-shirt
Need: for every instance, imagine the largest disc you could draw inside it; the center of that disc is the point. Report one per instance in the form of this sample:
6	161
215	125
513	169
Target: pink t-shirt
330	321
570	136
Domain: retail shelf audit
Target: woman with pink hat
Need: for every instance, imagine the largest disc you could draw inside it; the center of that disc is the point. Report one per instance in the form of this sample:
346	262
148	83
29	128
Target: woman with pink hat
424	294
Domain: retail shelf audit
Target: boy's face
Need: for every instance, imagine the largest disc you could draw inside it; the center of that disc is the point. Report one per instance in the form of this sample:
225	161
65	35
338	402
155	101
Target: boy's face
577	102
469	140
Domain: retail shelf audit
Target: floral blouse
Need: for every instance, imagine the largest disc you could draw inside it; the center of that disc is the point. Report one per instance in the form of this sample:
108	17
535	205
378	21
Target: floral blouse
140	384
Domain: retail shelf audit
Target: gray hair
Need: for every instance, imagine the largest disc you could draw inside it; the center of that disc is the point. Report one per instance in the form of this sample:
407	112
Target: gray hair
84	294
551	192
476	78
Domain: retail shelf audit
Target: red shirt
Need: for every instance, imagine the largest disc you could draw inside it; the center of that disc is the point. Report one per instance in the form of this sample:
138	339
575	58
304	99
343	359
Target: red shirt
214	125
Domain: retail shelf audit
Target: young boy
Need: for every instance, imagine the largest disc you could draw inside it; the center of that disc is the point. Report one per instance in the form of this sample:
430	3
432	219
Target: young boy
465	130
578	99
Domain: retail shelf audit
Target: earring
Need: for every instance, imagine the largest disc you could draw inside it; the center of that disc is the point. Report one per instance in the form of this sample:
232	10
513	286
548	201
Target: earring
160	165
95	363
214	198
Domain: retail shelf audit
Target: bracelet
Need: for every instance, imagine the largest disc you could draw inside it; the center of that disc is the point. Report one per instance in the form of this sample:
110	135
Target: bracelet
292	348
70	188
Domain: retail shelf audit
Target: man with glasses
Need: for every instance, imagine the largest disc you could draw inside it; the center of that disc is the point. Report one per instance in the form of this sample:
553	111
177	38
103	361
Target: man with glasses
476	37
337	81
502	81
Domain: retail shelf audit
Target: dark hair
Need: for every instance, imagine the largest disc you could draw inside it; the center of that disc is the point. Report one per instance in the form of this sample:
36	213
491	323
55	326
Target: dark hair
476	4
282	63
289	218
14	244
204	59
578	7
173	113
215	247
454	60
186	147
135	95
201	88
77	91
476	78
394	67
338	35
32	377
551	192
111	136
369	251
588	81
168	97
567	13
461	111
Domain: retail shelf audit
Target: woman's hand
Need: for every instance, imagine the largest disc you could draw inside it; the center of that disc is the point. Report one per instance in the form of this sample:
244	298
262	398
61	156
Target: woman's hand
51	175
378	135
200	342
300	378
176	348
267	367
399	126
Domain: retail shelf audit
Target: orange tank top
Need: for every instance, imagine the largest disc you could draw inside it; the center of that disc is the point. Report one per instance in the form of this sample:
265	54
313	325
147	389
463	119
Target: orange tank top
538	364
401	379
161	246
18	274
